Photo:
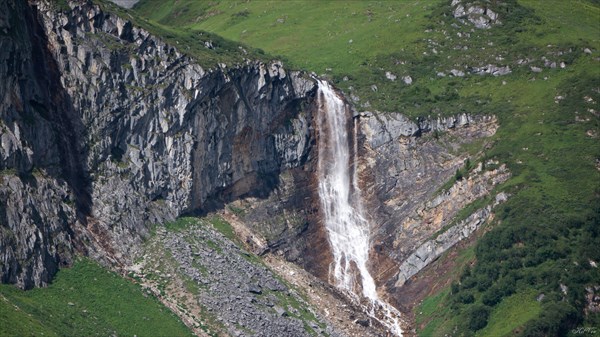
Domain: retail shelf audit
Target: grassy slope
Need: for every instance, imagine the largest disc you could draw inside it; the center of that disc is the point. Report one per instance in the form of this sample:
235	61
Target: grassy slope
517	309
85	300
555	186
548	229
344	41
189	42
312	35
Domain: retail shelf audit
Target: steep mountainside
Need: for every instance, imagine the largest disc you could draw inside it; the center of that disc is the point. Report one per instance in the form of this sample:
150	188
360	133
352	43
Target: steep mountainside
472	126
106	129
532	68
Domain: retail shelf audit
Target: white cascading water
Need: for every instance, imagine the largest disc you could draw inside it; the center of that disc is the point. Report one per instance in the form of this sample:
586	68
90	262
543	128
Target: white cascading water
346	225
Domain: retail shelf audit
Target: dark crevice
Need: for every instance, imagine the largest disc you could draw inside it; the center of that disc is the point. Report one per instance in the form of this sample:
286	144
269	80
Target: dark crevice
66	123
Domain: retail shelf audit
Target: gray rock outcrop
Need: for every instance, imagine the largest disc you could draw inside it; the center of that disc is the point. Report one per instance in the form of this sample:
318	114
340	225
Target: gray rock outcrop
403	165
434	248
106	129
491	69
380	129
477	13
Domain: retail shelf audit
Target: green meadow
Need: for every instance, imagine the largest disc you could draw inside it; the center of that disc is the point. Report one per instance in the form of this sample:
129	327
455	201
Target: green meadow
86	300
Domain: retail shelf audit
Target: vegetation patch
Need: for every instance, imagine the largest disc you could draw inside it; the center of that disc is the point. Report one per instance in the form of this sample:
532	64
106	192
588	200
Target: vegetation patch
511	314
208	49
85	300
181	224
223	227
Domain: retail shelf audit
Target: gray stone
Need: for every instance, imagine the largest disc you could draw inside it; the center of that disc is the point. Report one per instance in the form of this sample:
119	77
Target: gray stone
536	69
432	249
363	322
280	311
475	13
130	151
457	73
254	289
491	69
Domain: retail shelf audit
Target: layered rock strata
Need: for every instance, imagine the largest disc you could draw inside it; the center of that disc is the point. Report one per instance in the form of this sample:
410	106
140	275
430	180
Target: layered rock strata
403	166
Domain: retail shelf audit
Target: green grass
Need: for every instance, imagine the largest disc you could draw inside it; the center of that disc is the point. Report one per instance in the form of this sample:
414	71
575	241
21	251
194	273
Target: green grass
434	317
217	222
355	40
434	312
189	42
547	232
181	224
565	22
356	43
85	300
224	228
323	29
513	312
438	317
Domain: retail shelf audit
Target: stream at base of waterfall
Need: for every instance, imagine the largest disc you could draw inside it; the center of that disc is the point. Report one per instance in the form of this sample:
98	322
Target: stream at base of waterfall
347	228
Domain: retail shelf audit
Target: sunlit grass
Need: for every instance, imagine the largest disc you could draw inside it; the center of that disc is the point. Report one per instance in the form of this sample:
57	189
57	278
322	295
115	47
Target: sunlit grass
85	300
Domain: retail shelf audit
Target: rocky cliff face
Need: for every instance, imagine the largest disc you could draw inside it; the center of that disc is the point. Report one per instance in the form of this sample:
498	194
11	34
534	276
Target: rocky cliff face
105	130
403	167
407	173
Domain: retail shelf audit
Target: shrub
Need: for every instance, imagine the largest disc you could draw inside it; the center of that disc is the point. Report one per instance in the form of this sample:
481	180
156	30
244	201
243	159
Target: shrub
466	297
469	283
458	175
556	320
478	317
454	289
492	296
483	283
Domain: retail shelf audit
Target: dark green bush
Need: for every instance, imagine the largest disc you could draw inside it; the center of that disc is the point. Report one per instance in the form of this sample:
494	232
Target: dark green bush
478	316
557	319
466	297
492	296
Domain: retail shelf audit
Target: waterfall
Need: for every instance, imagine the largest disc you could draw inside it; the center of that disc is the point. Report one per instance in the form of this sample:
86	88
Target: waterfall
347	227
